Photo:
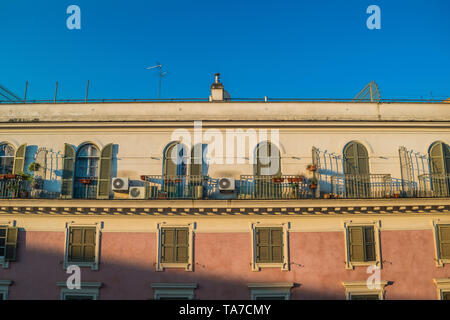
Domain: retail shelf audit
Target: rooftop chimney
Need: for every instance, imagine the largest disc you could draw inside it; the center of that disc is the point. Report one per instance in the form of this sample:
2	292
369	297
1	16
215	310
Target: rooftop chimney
217	91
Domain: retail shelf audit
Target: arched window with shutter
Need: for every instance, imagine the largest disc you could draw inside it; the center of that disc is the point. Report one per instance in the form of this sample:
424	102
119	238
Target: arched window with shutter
356	170
86	172
174	162
7	153
439	154
268	159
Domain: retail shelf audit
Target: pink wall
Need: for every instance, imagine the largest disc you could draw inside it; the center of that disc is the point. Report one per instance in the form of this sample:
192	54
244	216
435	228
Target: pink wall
222	266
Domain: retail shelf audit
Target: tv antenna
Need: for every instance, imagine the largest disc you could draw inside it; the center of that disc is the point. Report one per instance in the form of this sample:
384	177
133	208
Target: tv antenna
369	93
161	75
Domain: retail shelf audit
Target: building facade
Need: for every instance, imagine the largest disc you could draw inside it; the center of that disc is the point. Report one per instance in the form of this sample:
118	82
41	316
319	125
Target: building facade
225	199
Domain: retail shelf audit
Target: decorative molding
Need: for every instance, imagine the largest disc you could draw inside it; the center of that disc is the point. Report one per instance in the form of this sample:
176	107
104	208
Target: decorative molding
89	289
361	288
174	290
277	289
442	285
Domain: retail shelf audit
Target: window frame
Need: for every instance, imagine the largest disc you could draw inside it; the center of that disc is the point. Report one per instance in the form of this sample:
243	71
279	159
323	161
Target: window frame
360	288
440	262
442	286
174	290
4	288
94	265
14	149
284	265
87	289
7	224
376	224
278	289
189	265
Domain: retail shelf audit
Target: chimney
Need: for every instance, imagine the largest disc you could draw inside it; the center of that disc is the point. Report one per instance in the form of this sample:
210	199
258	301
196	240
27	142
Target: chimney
217	91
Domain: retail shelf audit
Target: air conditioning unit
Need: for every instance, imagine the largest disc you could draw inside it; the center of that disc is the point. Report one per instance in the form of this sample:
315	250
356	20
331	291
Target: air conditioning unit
226	184
120	184
138	193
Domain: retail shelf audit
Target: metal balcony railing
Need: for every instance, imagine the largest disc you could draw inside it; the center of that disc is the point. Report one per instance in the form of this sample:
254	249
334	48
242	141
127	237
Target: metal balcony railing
434	185
23	189
271	187
366	186
177	187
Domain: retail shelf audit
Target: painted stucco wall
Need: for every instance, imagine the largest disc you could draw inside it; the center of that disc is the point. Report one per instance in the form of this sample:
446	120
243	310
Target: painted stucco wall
222	266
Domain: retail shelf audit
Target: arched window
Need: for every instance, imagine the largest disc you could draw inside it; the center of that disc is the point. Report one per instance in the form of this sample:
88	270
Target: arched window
6	158
268	159
439	154
174	160
356	169
86	172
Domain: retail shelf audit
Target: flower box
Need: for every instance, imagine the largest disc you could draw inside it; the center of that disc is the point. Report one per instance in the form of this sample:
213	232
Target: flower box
85	181
312	167
277	180
294	180
313	186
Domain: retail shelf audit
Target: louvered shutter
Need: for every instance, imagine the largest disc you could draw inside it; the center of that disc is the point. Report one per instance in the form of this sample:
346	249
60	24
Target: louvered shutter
182	245
67	173
104	178
11	244
19	159
196	160
89	240
75	244
167	245
369	244
276	241
356	243
262	245
444	241
170	161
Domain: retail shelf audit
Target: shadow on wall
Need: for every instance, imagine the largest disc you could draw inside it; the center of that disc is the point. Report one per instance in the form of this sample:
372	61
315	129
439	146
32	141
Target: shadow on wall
39	267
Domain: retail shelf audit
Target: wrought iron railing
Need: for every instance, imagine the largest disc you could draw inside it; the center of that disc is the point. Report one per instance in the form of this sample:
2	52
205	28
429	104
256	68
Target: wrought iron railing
363	186
23	189
176	187
434	185
275	187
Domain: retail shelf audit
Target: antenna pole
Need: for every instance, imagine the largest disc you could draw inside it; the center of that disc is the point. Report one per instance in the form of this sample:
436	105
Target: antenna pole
87	92
56	91
160	79
25	95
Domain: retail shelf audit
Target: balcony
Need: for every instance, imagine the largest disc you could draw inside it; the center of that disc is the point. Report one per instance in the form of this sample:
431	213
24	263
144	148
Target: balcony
248	187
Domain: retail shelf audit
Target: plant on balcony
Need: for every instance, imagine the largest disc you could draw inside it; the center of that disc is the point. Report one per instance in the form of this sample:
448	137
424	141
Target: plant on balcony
295	179
278	179
37	183
311	167
10	176
85	181
34	166
313	183
143	177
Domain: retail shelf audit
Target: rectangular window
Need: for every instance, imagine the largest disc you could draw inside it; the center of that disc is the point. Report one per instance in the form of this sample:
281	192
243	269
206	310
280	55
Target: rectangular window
8	243
174	245
269	245
444	241
78	297
82	242
361	244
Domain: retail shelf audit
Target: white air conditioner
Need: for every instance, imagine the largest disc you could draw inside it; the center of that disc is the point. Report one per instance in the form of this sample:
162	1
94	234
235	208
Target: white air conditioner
138	193
120	184
226	184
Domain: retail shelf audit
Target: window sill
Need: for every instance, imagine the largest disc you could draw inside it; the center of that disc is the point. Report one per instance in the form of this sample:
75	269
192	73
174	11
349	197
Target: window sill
442	262
92	265
351	265
258	265
4	263
172	265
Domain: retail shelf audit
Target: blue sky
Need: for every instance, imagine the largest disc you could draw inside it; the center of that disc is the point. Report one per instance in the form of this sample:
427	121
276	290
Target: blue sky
283	49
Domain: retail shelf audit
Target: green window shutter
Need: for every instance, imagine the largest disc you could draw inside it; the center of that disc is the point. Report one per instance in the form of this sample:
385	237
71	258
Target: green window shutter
356	159
167	245
89	240
369	244
446	295
196	160
68	169
356	243
75	244
437	159
262	244
444	241
276	242
104	179
19	159
170	160
11	244
182	245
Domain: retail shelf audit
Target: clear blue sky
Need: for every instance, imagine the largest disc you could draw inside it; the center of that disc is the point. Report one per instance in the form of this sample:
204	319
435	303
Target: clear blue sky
289	49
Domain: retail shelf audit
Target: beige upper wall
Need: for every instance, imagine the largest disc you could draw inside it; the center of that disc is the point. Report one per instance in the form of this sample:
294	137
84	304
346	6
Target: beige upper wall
170	111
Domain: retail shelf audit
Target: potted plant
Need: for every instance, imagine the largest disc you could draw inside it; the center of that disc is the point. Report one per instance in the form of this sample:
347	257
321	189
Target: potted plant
311	167
313	183
34	166
85	181
36	183
143	177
